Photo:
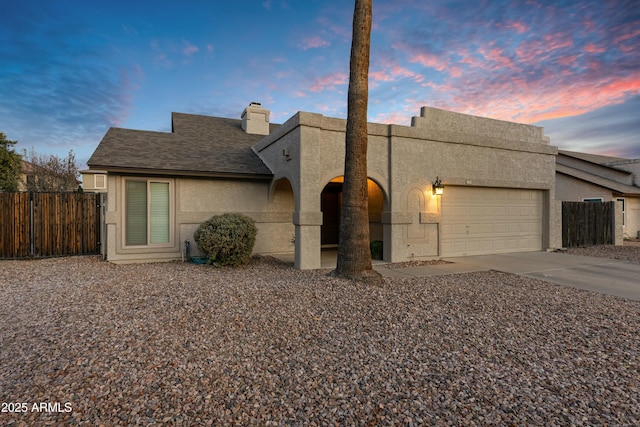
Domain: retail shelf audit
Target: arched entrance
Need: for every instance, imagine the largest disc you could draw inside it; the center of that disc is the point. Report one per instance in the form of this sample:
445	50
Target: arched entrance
331	206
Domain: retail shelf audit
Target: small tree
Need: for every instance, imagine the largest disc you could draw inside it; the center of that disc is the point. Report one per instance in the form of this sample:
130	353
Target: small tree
51	173
227	239
10	165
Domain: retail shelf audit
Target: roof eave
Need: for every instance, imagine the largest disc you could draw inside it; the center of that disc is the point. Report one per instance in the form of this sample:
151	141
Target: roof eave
181	173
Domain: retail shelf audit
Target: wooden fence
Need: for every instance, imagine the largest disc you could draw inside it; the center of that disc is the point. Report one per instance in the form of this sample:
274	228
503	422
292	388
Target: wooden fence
38	225
588	223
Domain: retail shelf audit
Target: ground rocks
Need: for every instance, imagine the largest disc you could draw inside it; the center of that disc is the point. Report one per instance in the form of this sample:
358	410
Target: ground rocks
630	251
183	344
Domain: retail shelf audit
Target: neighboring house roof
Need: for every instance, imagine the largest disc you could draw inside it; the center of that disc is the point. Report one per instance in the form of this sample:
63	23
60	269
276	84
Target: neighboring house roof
592	168
593	158
197	145
598	180
27	167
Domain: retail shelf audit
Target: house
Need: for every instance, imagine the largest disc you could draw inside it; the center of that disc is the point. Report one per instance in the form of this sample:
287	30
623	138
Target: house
498	177
26	176
582	177
94	181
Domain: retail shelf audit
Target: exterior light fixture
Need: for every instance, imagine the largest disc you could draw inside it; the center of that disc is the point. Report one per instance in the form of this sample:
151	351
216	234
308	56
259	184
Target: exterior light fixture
438	188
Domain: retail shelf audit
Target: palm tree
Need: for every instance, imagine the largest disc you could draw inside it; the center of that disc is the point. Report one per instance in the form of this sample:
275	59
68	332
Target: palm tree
354	256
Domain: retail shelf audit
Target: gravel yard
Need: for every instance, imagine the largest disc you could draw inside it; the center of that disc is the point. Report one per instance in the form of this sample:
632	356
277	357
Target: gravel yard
182	344
630	251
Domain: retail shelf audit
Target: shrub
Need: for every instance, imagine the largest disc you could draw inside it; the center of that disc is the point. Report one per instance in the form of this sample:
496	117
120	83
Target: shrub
226	239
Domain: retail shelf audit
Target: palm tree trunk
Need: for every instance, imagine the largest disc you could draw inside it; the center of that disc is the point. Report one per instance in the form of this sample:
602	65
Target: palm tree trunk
354	256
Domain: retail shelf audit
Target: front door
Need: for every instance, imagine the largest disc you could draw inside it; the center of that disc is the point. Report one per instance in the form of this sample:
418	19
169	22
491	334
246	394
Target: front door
331	203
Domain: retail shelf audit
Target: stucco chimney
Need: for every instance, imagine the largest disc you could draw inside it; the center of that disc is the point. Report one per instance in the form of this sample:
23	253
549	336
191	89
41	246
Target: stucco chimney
255	119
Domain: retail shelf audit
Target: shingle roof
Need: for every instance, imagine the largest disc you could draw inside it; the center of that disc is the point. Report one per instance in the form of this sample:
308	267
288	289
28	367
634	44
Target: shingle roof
593	158
199	145
598	180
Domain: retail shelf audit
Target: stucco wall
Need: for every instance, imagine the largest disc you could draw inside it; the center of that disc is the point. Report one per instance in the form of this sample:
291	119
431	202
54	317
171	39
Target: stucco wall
196	200
89	181
632	226
571	189
404	161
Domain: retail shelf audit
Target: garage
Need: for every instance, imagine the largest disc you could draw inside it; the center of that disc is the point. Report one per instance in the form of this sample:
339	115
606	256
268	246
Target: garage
490	221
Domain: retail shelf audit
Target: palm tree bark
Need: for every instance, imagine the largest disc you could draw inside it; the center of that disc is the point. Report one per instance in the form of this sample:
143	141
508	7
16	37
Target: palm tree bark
354	256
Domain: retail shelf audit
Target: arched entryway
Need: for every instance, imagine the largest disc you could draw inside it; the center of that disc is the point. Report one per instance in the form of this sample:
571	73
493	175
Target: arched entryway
331	205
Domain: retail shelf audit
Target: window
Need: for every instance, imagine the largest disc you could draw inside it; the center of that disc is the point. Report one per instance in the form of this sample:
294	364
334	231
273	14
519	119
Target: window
100	181
624	215
592	199
147	213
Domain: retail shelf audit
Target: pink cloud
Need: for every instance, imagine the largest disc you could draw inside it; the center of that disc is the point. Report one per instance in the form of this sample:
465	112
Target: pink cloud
592	48
628	35
558	41
567	60
533	102
329	81
380	76
314	43
519	27
428	60
496	55
189	49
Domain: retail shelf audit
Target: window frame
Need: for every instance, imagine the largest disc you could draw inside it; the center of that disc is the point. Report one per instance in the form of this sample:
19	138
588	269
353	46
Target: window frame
104	181
171	226
593	199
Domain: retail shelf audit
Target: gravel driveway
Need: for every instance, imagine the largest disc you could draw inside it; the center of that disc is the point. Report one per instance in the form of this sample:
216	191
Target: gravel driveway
85	342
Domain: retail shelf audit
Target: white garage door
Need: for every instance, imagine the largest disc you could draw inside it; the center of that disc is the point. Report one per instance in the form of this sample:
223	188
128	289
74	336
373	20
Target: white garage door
479	221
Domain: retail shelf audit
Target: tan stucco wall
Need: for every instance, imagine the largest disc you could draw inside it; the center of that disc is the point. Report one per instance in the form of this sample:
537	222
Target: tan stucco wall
571	189
307	151
632	226
195	201
404	161
574	190
89	181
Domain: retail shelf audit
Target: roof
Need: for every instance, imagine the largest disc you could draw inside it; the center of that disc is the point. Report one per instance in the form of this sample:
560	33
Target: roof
598	180
598	170
197	145
593	158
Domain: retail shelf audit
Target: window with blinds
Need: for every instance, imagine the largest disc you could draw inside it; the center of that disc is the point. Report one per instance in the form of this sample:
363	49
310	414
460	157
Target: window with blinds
147	213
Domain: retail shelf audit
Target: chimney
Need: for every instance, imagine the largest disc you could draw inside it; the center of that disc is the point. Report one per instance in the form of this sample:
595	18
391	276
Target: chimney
255	119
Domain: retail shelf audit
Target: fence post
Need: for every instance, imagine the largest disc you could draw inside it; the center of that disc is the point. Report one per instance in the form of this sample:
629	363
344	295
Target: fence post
32	250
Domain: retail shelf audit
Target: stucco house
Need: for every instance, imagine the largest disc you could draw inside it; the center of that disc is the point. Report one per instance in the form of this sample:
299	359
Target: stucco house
582	177
499	185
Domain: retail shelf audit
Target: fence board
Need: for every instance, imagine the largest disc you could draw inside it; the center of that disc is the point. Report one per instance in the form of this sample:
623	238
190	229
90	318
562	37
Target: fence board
49	224
587	223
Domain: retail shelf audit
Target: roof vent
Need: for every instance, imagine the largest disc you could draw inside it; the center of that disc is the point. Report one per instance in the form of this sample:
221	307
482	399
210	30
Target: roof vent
255	119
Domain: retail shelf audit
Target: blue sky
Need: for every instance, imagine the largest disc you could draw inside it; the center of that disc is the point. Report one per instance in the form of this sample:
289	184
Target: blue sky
73	68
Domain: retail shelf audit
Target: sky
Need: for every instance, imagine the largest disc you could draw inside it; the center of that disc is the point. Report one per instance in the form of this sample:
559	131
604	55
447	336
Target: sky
70	69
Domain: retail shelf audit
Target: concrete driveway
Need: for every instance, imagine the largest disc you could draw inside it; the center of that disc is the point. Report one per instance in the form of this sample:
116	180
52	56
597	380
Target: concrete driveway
602	275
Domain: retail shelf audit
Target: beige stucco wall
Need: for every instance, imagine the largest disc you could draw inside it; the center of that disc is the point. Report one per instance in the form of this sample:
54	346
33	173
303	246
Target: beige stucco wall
632	226
404	161
307	152
574	190
571	189
89	181
196	200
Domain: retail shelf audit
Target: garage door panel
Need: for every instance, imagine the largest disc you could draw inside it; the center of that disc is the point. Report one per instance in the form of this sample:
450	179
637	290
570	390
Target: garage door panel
490	220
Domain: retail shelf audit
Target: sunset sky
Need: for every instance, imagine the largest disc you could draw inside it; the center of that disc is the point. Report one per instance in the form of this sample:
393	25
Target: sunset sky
70	69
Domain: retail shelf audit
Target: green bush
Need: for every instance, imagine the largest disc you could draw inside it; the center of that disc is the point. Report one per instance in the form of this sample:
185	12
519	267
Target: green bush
226	239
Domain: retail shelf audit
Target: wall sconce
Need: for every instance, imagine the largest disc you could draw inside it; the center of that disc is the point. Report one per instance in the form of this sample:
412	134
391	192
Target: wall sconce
438	188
